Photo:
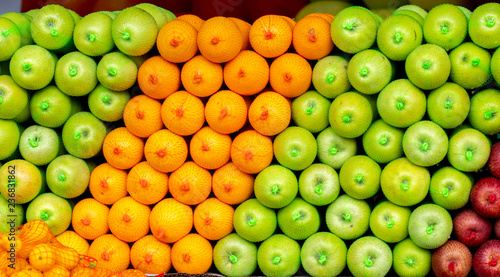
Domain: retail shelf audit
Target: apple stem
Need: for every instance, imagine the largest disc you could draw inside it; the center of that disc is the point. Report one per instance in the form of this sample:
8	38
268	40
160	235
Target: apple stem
400	105
347	216
348	26
310	109
62	177
330	77
363	72
275	189
294	153
425	146
44	106
27	67
346	118
296	216
251	222
475	62
359	178
488	114
318	189
233	258
383	140
426	65
322	259
471	236
112	71
492	198
276	260
125	35
398	37
409	261
468	155
429	229
333	150
92	37
44	216
368	262
5	33
404	185
33	142
451	266
490	22
446	192
77	135
448	104
493	262
1	100
105	99
53	32
390	224
72	71
445	29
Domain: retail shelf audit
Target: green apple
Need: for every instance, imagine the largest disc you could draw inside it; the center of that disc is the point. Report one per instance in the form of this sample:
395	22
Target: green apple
411	260
401	103
448	105
50	107
25	114
32	67
75	74
413	14
450	188
495	66
134	31
430	226
299	219
52	27
369	71
354	29
350	114
92	35
381	4
484	111
83	135
254	221
360	177
295	148
347	217
117	71
470	66
323	254
331	7
9	138
39	145
398	35
483	25
428	66
14	99
319	184
383	142
55	211
107	105
333	149
23	22
68	176
446	26
369	256
21	180
275	186
404	183
11	216
468	150
329	76
279	255
159	16
235	256
389	222
10	38
310	111
425	143
422	12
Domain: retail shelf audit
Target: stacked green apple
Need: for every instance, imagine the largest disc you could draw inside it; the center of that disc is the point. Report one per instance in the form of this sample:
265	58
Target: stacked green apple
383	151
64	83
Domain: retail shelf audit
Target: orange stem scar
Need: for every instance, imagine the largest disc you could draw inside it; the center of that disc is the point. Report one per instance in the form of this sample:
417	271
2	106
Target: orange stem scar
185	187
161	153
85	221
186	257
268	34
117	150
174	42
197	77
154	79
105	256
287	76
214	40
223	113
143	183
264	115
148	258
179	112
139	114
205	147
312	36
126	218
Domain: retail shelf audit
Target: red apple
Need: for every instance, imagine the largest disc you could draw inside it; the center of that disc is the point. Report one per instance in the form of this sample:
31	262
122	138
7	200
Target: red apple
471	228
452	259
486	260
497	228
494	160
485	197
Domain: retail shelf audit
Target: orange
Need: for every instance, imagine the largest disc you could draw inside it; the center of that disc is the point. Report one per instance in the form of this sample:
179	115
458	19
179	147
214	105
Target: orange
57	271
131	273
183	113
67	257
128	219
247	73
122	149
42	257
30	272
142	116
90	218
176	41
219	39
192	19
190	184
326	16
108	184
150	255
270	35
226	112
170	220
290	75
270	113
110	252
90	272
210	149
231	185
192	254
311	38
158	78
251	151
289	20
146	184
213	219
72	239
244	28
201	77
165	151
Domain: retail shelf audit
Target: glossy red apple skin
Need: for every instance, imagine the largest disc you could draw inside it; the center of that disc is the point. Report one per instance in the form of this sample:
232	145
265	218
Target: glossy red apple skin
471	228
485	197
494	160
486	260
497	228
452	259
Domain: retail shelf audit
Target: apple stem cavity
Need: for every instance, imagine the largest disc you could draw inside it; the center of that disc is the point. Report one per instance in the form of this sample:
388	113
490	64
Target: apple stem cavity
294	152
346	118
251	222
492	198
105	98
44	106
33	142
400	105
368	261
425	146
398	37
349	26
233	258
410	261
451	266
126	35
448	104
27	67
383	140
445	28
493	262
404	185
333	150
363	72
426	65
489	114
275	189
318	189
296	216
322	259
1	100
91	37
73	71
310	109
44	216
475	62
490	22
468	155
471	236
359	178
112	71
429	229
330	77
276	260
446	192
347	217
62	176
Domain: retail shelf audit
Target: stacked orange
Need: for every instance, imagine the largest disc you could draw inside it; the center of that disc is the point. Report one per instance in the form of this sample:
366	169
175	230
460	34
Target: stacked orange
192	143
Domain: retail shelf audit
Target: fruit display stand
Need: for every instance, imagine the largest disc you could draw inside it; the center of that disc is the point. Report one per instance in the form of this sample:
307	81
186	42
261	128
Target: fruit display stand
350	138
